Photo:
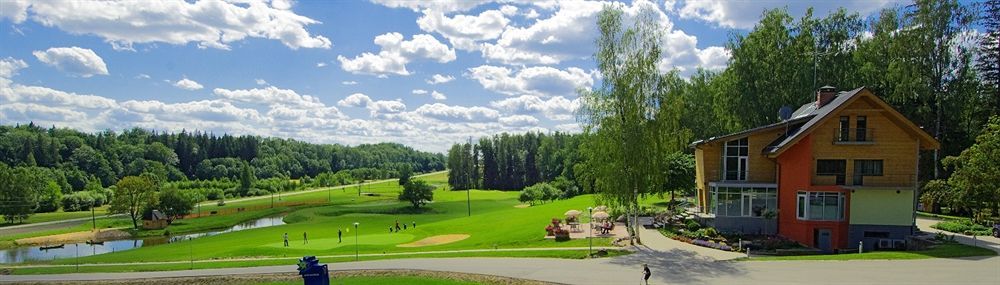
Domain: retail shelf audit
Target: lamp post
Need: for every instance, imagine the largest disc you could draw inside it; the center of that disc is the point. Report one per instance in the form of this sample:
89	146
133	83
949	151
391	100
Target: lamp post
356	241
590	238
77	257
191	252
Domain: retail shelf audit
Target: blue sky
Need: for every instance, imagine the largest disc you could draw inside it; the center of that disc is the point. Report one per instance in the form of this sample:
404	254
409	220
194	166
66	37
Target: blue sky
421	73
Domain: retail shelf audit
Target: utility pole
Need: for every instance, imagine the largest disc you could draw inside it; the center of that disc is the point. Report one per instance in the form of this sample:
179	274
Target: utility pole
93	217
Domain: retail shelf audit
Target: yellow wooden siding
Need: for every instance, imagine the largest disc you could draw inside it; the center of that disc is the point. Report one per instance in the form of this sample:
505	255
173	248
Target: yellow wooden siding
892	144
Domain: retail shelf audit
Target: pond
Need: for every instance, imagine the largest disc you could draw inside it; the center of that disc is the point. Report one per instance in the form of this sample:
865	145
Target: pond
71	250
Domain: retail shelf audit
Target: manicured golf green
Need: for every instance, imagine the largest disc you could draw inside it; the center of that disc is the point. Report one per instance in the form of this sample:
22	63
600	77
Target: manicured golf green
495	223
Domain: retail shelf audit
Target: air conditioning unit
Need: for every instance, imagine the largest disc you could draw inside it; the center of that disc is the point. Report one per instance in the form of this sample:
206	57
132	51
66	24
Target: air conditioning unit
884	243
898	244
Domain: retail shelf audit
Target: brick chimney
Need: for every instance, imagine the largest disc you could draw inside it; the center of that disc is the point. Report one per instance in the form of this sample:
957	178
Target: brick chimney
824	95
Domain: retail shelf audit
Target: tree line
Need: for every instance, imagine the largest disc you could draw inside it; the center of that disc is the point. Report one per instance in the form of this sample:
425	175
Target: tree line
44	169
512	161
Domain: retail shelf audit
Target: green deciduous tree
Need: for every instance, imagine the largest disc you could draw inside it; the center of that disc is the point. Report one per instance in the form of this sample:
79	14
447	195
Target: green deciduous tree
133	194
417	192
175	203
624	114
976	179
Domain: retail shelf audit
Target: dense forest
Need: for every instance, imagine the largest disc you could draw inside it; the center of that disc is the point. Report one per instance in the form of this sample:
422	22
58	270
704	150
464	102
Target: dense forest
64	162
924	58
513	161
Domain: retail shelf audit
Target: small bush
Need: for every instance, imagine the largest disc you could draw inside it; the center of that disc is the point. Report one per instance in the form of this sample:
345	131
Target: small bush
966	227
79	201
692	225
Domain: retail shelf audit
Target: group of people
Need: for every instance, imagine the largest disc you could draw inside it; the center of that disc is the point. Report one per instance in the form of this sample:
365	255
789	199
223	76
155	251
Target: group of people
606	227
397	228
305	237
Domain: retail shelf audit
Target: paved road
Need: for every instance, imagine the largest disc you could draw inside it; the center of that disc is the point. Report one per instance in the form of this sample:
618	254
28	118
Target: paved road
681	264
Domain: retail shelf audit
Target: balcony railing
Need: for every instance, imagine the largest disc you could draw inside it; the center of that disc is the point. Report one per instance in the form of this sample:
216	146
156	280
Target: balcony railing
854	136
736	177
887	180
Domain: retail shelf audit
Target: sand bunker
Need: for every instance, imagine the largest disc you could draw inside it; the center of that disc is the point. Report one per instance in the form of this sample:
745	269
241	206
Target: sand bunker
522	206
436	240
101	235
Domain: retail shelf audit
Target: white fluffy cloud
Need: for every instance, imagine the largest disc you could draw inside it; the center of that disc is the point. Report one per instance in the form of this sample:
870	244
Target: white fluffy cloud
260	81
208	23
464	32
188	84
556	108
538	81
349	82
438	96
745	14
457	113
568	34
375	107
519	121
446	6
396	53
439	79
264	111
73	60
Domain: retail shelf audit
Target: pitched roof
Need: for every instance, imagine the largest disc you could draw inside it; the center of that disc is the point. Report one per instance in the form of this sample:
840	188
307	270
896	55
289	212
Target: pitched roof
810	115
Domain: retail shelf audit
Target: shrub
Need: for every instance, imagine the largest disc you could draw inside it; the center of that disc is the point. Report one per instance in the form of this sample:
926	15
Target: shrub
79	201
966	227
692	225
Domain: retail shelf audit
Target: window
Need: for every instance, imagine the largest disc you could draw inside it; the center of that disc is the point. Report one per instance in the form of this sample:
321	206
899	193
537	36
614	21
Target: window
866	167
743	201
868	234
862	129
735	159
845	129
820	206
832	167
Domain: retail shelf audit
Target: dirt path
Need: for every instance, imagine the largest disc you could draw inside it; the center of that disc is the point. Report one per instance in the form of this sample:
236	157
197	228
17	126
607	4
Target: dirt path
74	237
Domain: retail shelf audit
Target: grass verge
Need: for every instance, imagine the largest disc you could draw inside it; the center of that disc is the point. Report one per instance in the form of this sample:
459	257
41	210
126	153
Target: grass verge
947	250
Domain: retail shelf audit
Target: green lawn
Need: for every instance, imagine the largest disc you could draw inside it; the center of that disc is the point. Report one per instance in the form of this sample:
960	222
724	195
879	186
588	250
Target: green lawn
495	223
948	250
566	254
60	215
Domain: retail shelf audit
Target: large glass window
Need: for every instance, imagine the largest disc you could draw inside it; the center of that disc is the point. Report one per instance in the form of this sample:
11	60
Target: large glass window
866	167
820	206
832	167
735	159
743	201
845	129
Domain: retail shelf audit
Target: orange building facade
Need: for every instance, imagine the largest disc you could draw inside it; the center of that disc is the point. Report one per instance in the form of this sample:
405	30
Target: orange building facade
837	173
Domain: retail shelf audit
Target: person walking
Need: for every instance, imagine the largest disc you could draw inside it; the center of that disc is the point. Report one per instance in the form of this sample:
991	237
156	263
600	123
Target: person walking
305	239
414	224
340	236
646	273
286	239
397	225
404	226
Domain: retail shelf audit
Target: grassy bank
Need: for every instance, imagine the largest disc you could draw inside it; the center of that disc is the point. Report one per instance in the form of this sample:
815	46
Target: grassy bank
947	250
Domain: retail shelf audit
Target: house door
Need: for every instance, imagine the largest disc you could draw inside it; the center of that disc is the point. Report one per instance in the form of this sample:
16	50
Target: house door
823	239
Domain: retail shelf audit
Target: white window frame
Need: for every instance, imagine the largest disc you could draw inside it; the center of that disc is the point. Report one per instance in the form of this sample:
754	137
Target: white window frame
802	205
743	161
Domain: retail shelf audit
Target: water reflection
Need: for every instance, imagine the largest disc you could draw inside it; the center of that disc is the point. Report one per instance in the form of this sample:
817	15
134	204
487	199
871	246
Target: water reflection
70	250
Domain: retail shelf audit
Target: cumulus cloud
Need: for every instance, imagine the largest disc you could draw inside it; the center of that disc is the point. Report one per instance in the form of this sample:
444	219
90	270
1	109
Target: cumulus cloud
464	32
538	80
519	121
457	113
260	81
209	24
375	107
446	6
419	91
745	14
439	79
73	60
568	34
556	108
438	96
188	84
396	53
10	66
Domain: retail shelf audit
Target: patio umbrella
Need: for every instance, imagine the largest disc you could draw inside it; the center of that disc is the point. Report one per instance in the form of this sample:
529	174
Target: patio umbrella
572	213
600	215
